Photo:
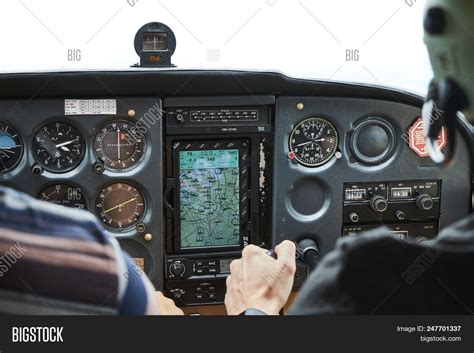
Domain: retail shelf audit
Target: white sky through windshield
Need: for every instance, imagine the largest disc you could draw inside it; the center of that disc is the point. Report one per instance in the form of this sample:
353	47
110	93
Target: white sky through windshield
301	38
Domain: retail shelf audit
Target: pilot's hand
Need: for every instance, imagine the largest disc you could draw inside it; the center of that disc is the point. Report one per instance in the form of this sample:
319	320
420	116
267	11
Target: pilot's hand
167	306
258	281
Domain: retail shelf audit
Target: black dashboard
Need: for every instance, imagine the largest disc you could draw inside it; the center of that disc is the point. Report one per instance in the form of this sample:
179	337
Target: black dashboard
185	168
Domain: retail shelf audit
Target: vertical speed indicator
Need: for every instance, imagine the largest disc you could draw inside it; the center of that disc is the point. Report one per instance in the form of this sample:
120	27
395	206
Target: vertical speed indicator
313	142
63	194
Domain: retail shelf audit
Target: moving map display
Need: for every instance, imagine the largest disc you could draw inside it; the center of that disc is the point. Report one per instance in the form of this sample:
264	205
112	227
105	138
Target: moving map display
209	198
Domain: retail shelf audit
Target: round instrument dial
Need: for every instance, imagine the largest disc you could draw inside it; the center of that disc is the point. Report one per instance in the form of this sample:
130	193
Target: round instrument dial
313	142
58	147
119	145
11	148
63	194
120	205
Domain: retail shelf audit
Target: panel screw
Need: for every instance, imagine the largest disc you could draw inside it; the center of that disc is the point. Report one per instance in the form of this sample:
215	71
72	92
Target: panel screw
99	168
131	113
36	170
148	237
299	106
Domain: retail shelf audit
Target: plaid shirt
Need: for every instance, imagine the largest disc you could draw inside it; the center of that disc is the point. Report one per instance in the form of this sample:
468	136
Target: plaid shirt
60	253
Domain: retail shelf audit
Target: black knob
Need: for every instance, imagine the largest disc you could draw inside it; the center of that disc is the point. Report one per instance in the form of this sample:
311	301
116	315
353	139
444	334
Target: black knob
177	293
400	215
378	203
354	217
177	268
425	202
309	252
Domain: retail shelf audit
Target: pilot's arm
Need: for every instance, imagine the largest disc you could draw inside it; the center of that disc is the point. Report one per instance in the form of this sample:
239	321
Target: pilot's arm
371	273
61	258
259	283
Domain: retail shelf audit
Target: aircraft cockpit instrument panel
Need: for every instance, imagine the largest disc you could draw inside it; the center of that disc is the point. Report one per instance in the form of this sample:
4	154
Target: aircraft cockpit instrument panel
187	168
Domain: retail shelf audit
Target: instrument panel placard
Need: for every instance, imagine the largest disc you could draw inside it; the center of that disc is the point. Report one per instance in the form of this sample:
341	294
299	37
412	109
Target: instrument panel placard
90	107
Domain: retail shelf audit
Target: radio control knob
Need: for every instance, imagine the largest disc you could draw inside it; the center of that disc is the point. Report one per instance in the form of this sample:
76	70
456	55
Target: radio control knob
177	268
425	202
378	203
177	293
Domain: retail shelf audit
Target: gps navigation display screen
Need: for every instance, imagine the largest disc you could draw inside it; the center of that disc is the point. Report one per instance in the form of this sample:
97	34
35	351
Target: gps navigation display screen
209	198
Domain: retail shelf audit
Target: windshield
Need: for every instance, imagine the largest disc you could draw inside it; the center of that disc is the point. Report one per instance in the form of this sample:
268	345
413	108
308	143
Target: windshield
369	41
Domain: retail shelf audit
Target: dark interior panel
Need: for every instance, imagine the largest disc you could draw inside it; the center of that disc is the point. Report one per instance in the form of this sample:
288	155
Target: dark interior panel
309	202
142	239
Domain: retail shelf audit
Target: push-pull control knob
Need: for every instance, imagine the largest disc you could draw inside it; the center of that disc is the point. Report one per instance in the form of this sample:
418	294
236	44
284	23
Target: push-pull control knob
354	217
177	268
425	202
400	215
378	203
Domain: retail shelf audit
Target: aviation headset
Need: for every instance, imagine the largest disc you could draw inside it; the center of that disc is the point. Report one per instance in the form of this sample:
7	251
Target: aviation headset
449	37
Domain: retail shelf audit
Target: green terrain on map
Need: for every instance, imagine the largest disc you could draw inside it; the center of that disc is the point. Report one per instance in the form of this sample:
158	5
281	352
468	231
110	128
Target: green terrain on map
209	198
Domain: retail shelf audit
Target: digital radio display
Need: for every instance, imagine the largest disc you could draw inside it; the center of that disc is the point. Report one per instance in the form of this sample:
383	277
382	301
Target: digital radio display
209	195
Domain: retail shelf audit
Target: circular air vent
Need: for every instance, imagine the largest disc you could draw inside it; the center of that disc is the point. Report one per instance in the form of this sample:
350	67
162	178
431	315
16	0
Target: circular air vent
372	141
